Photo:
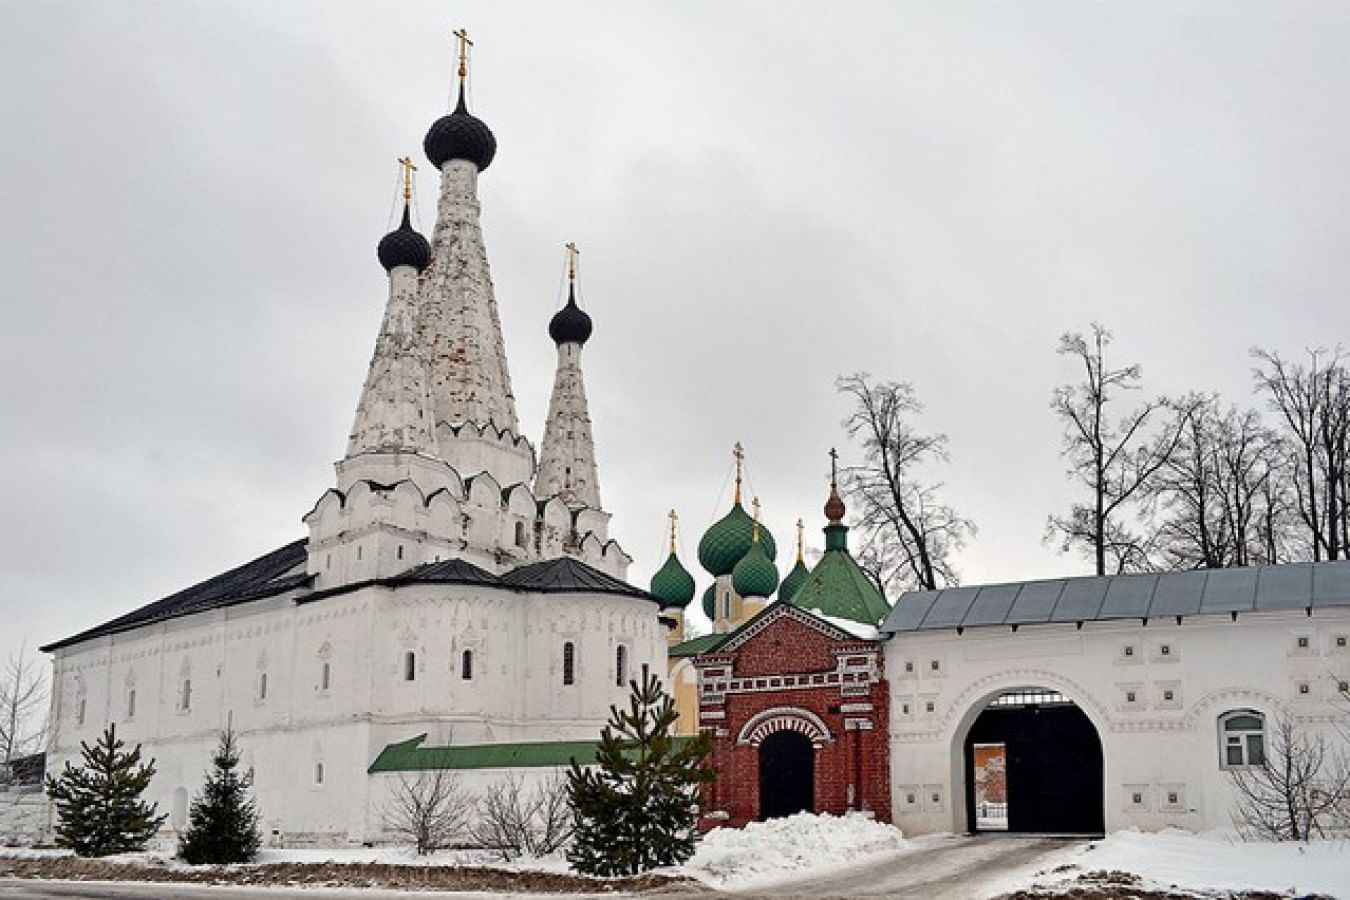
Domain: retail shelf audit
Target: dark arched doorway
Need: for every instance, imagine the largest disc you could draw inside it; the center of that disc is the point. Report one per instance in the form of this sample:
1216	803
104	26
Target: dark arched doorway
1034	764
787	774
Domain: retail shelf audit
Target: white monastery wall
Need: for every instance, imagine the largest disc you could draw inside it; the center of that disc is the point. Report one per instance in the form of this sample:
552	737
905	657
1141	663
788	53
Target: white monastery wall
1154	694
336	689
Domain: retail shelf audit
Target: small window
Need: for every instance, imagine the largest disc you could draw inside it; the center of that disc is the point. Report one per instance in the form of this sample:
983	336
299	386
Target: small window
911	799
131	703
466	665
1130	696
358	551
79	712
1243	734
409	666
1340	640
1303	643
909	665
400	551
1169	695
1303	687
928	706
521	539
262	685
935	665
185	695
620	665
1129	650
1172	798
1137	798
904	708
569	663
318	773
937	798
325	676
328	563
1343	687
1165	650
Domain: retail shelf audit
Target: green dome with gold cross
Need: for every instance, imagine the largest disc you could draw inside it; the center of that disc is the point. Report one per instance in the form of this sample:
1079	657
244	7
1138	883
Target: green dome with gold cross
727	541
672	584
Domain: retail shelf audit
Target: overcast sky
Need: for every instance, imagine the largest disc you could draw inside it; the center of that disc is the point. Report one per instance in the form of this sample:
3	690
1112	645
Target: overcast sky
766	195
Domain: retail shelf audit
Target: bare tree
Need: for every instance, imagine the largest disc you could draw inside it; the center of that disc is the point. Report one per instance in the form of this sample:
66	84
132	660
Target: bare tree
1113	460
513	821
1217	500
911	536
1300	788
429	810
1313	404
23	696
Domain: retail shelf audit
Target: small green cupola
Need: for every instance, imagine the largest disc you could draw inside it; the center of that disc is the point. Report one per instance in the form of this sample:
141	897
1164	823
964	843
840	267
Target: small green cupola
729	538
672	584
837	586
755	575
793	579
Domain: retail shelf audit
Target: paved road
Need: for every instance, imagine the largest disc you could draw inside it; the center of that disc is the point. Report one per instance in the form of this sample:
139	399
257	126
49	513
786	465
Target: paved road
961	869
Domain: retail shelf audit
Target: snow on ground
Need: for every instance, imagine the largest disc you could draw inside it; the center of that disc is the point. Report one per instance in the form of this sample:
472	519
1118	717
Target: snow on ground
804	844
404	856
1216	860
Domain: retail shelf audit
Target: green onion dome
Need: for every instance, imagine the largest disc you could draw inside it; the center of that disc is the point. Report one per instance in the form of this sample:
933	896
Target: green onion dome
793	580
729	539
672	584
754	575
710	601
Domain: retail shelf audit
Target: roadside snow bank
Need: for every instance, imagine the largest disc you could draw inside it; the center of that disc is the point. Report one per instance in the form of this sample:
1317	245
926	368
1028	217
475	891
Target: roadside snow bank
780	848
1216	860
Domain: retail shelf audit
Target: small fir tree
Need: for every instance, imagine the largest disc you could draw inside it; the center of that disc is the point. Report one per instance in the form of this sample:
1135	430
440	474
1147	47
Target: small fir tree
223	822
98	805
638	807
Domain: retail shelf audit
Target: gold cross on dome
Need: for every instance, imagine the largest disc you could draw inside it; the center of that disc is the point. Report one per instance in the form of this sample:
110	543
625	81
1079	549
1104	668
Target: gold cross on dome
408	168
738	452
674	519
754	532
464	45
801	539
834	467
573	255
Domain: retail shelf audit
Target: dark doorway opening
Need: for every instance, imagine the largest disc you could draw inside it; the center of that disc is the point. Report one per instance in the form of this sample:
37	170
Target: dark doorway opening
787	775
1051	760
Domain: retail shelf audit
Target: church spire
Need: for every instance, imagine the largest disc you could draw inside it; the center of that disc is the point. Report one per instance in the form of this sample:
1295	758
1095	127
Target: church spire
460	325
394	412
567	455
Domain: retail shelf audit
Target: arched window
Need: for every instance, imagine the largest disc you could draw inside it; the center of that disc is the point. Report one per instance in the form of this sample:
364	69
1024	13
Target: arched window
79	712
620	665
569	663
318	773
131	703
325	676
1242	739
262	685
521	539
409	666
466	665
185	695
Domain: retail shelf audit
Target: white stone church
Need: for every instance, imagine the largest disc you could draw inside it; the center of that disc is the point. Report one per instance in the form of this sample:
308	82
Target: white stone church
453	587
459	603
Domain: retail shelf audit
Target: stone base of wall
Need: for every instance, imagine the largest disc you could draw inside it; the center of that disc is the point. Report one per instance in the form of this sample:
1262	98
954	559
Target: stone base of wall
25	817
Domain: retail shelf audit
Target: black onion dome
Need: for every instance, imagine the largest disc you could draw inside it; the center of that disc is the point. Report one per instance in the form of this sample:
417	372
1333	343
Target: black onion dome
404	247
460	135
570	325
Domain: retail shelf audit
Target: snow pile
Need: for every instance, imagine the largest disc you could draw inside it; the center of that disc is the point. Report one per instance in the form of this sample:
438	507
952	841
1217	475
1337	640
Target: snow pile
783	848
1217	860
405	856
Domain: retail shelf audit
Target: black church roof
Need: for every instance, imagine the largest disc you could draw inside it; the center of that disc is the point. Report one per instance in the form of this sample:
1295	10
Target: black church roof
268	575
565	575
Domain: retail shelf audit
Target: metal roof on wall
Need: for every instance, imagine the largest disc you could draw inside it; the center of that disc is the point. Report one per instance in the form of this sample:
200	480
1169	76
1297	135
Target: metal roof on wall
1194	593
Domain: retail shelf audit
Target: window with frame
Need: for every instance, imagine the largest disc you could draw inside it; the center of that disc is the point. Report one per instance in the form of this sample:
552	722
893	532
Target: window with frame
620	665
131	703
1242	734
466	665
262	685
325	676
185	695
569	673
409	666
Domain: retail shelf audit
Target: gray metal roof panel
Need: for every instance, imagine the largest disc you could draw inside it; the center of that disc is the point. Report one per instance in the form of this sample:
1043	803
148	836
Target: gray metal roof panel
1128	597
909	611
1035	602
991	605
1229	590
1080	600
1284	587
1178	594
950	608
1331	584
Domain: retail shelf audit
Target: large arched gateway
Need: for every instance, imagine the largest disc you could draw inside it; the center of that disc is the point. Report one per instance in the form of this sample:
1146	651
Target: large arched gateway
1033	763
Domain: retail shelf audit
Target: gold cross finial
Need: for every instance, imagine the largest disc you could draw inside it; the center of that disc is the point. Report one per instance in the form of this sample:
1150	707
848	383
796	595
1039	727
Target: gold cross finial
464	45
738	452
674	520
801	539
834	467
754	531
573	254
408	168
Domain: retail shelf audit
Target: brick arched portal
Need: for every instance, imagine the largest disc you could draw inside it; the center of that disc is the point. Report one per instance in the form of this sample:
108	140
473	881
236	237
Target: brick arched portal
781	718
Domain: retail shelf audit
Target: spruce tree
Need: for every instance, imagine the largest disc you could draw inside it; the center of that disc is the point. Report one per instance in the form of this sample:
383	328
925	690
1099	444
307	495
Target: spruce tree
98	805
223	822
638	807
